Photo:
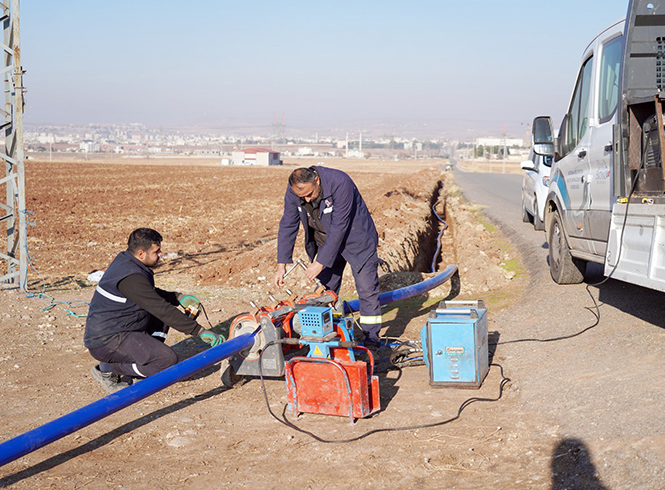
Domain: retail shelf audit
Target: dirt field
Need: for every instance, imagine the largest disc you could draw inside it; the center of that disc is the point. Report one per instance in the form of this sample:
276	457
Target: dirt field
219	226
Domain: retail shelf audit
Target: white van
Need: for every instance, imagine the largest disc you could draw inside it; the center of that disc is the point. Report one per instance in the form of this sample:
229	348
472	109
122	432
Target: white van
535	188
606	199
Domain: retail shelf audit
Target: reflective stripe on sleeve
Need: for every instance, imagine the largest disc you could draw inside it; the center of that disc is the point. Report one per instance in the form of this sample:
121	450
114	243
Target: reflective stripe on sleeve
161	335
112	297
370	320
136	370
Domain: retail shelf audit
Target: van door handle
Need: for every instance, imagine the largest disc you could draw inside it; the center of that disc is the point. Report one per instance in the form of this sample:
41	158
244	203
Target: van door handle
581	154
608	147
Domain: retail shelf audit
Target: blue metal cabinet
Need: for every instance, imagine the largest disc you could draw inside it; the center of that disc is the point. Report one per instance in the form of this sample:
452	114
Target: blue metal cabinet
454	341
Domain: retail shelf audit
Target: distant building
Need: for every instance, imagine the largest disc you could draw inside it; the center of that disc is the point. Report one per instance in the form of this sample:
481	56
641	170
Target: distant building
355	154
88	146
255	156
500	141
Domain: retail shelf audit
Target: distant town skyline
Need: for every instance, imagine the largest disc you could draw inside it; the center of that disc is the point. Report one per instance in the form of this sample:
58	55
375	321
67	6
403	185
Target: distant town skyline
436	69
136	140
274	133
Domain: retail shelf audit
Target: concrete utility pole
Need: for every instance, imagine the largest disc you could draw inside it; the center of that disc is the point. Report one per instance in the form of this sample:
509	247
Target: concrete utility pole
504	152
13	212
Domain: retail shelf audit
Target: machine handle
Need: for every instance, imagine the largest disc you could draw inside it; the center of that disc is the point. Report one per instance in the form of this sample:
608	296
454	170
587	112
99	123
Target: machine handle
347	344
281	312
473	313
288	340
371	359
327	298
478	303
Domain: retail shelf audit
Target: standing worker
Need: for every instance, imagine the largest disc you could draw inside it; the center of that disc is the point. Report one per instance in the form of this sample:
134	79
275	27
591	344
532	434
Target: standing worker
129	317
338	229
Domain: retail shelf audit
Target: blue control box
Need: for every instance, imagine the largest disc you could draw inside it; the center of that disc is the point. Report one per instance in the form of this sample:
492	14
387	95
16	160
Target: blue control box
316	321
454	341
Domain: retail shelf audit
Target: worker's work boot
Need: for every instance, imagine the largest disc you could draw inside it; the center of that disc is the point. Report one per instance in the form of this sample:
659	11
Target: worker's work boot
110	381
378	349
372	344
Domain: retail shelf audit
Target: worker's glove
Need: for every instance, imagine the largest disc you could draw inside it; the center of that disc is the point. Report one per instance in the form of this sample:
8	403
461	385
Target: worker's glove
212	338
191	304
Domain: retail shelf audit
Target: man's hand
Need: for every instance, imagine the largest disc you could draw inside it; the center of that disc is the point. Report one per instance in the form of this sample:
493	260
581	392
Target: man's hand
313	270
279	276
212	338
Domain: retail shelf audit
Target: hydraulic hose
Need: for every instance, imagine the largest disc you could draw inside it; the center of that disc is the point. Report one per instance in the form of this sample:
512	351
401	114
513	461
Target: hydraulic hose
408	291
52	431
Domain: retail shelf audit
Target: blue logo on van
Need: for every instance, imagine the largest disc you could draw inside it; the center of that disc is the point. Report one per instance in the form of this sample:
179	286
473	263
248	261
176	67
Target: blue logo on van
560	184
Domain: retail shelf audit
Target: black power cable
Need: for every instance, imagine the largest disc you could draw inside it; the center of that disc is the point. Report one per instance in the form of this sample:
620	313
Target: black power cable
205	313
286	422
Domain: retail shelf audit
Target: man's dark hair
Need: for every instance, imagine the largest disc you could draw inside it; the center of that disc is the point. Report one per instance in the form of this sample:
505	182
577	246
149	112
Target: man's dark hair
143	239
302	176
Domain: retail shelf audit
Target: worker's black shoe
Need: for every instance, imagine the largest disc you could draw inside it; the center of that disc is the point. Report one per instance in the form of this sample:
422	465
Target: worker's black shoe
377	346
371	344
110	381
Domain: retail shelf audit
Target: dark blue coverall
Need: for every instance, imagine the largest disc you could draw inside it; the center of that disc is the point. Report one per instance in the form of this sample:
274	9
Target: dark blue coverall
350	237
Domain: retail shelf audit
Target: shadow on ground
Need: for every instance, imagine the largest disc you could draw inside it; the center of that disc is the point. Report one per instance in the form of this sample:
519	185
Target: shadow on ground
572	468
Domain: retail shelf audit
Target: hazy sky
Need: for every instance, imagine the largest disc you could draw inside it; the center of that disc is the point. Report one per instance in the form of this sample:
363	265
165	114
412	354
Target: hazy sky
476	66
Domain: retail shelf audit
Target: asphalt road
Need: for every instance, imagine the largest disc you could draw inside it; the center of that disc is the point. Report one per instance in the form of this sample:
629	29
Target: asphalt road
603	388
500	194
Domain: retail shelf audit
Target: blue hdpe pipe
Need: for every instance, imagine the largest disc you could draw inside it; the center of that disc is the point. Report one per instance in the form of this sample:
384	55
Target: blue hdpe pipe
408	291
52	431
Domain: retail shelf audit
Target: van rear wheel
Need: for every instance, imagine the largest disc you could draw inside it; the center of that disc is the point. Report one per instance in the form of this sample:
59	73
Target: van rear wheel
563	267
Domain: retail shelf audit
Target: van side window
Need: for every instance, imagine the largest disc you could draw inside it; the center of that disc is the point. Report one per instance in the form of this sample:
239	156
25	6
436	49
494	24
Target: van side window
610	66
576	122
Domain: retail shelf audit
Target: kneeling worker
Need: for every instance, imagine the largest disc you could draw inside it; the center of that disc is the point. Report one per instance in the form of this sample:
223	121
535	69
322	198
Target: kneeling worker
129	317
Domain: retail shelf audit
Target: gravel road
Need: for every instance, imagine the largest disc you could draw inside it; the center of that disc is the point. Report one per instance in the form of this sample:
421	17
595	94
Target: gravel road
604	388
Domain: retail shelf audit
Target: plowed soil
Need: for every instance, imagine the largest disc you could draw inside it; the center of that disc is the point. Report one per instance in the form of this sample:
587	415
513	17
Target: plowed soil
219	226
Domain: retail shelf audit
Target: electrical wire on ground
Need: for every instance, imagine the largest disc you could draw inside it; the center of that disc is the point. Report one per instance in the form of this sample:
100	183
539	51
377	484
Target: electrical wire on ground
52	302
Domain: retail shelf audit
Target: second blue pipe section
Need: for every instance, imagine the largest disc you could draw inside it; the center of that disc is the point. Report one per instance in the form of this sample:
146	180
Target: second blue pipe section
52	431
408	291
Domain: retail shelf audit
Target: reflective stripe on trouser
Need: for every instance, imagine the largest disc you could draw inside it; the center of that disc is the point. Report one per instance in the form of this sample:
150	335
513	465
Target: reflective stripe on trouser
367	286
370	320
371	326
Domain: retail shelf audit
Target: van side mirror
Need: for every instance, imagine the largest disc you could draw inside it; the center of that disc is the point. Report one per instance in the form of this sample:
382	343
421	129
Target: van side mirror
542	136
527	165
